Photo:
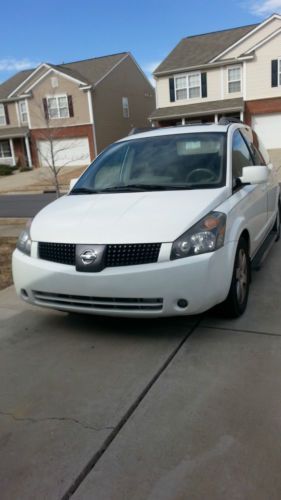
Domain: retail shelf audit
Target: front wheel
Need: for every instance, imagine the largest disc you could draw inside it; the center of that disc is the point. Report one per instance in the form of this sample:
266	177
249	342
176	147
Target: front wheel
236	301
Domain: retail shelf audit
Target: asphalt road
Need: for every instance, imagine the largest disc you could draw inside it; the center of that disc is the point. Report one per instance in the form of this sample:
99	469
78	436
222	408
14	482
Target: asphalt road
111	409
24	205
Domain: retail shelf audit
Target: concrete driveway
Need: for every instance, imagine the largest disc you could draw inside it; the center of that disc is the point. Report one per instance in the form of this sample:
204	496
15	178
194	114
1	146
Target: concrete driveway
99	409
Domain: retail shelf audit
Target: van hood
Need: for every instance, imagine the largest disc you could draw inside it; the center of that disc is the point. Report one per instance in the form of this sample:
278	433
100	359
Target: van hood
142	217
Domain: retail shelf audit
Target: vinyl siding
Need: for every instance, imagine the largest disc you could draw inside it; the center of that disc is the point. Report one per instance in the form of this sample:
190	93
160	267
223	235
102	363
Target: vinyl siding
259	71
252	40
65	86
126	80
214	90
12	116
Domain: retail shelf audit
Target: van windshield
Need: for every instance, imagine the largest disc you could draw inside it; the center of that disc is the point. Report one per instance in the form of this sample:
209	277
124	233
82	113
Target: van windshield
179	161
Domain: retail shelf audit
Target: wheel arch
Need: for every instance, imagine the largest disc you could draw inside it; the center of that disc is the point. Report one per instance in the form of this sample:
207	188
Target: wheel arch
246	235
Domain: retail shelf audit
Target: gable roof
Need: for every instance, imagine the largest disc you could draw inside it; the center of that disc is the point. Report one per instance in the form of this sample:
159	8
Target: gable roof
92	70
88	71
12	83
201	49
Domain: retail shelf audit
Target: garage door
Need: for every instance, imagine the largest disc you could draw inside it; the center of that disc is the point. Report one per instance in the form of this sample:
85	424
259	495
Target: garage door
268	128
66	152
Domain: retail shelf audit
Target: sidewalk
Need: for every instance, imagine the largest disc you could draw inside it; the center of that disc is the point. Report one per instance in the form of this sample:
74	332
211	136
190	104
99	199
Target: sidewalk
37	180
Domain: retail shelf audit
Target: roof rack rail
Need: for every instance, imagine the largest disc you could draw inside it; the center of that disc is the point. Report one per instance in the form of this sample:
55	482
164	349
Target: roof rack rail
224	120
137	130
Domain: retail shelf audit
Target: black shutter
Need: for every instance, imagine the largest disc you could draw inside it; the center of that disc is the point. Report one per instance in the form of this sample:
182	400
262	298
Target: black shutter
70	106
172	89
7	114
274	73
204	84
45	107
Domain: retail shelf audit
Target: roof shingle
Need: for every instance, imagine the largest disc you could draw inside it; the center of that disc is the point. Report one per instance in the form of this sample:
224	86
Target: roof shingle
89	71
209	107
201	49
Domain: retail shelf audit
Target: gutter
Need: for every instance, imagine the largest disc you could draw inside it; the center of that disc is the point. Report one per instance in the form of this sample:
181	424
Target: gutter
226	62
197	113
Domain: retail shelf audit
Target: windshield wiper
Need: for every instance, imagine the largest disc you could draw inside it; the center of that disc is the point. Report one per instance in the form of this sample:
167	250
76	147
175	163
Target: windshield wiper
131	188
83	190
143	187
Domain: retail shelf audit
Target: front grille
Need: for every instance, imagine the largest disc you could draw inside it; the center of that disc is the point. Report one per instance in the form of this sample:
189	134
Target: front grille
131	255
116	255
64	253
59	300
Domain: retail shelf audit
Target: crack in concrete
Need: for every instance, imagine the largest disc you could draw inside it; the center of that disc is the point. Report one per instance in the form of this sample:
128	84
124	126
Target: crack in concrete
240	330
128	414
58	419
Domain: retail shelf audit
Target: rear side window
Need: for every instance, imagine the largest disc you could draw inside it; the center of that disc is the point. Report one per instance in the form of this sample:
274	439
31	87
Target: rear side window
241	156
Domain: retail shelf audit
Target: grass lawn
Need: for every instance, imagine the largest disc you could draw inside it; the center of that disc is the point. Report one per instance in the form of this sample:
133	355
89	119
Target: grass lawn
7	245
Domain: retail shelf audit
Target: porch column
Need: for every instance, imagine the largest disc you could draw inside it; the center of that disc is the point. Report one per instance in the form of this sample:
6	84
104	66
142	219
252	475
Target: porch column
12	152
183	121
241	116
216	118
27	145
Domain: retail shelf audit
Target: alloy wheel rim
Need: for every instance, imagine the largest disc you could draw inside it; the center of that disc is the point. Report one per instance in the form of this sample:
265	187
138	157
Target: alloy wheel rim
241	276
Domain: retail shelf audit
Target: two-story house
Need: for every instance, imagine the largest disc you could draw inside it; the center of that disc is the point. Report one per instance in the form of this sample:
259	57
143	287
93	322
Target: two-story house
66	114
235	72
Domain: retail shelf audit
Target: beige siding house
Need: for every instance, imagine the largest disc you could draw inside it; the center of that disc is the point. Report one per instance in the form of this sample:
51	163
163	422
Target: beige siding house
235	72
66	114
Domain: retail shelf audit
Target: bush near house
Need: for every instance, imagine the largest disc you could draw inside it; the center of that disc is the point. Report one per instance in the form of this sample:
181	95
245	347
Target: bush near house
5	170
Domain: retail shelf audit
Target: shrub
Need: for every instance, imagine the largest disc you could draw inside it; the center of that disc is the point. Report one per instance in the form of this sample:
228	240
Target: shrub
5	170
24	169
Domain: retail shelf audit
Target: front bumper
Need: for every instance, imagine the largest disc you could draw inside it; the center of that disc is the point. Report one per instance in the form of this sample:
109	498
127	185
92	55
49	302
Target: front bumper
150	290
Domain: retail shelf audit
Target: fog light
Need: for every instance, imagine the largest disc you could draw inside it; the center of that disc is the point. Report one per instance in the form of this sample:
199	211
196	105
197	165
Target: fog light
182	303
24	294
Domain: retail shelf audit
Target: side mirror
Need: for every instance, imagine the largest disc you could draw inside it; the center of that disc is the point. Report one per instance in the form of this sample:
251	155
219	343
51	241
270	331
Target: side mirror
72	183
255	175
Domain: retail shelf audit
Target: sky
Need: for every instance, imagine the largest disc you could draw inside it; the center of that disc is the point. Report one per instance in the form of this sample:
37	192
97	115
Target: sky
59	31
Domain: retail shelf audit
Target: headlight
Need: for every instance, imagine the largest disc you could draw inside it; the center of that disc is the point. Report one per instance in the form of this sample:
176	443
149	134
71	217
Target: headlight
206	236
24	240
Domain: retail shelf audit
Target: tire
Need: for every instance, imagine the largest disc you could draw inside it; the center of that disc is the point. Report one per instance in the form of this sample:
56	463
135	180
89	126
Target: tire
237	299
276	227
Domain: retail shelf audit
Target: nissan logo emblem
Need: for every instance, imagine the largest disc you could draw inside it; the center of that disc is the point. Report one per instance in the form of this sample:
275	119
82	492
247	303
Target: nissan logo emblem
88	257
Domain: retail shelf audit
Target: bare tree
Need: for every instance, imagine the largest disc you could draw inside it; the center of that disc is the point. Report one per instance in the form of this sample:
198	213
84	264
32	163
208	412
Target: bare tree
51	156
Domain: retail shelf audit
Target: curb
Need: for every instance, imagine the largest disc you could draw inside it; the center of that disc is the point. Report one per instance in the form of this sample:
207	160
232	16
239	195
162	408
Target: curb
8	221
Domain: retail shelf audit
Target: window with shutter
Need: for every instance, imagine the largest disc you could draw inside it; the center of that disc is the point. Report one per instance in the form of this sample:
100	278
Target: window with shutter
2	115
187	86
58	107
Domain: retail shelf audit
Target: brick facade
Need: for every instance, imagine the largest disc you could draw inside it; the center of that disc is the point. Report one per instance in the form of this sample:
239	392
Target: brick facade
261	106
61	133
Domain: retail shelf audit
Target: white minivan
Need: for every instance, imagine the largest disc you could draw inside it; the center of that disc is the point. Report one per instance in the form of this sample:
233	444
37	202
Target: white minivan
162	223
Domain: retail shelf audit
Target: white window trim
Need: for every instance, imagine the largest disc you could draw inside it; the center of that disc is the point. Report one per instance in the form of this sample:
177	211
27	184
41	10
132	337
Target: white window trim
234	66
5	157
57	96
23	113
186	75
4	114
